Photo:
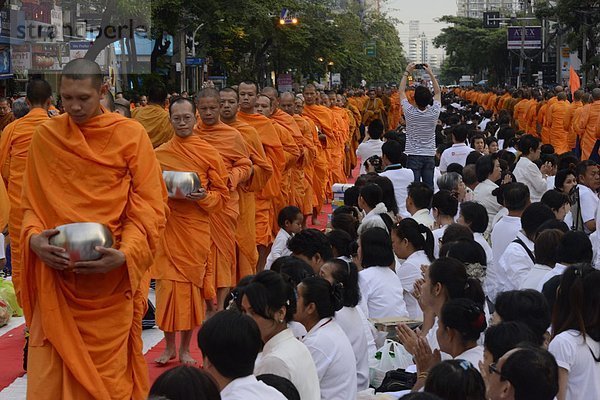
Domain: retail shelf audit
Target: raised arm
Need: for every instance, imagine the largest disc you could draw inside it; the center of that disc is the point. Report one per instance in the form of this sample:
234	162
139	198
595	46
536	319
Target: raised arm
402	89
437	92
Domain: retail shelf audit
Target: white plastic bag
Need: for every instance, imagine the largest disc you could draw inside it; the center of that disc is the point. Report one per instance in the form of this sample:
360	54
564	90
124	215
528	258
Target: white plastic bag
392	355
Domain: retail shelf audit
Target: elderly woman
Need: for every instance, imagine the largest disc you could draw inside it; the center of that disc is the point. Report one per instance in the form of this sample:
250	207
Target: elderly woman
453	182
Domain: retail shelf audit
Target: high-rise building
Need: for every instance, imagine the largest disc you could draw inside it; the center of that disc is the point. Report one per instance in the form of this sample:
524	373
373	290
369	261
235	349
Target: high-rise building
413	41
476	8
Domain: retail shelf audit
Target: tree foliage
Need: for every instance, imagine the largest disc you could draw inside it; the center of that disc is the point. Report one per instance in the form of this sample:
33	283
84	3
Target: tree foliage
472	49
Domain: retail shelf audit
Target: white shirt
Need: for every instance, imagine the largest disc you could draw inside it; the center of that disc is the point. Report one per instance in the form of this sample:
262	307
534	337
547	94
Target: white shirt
420	128
528	173
573	354
534	277
298	330
483	195
401	178
483	123
350	319
504	232
473	356
589	204
279	248
499	215
456	154
333	356
515	263
248	388
408	272
365	150
489	255
558	269
424	217
437	236
283	355
373	219
381	293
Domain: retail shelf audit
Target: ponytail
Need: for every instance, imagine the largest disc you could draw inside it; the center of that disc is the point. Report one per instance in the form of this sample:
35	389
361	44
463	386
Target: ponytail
452	275
465	316
327	298
412	231
346	274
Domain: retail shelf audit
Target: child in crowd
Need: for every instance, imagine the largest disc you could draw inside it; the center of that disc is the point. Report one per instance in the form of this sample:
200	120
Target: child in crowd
290	220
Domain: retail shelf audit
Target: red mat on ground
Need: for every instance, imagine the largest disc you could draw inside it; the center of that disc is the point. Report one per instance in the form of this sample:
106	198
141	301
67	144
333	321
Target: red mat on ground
155	370
322	217
11	350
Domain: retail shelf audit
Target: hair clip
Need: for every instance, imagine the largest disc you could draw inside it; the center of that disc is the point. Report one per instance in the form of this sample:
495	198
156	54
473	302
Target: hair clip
467	285
578	272
464	364
287	302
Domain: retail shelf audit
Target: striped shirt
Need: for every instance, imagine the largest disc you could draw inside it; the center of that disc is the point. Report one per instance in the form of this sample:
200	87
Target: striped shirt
420	128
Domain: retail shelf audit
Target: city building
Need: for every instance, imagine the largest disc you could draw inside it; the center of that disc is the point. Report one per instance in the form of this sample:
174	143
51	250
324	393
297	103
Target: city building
476	8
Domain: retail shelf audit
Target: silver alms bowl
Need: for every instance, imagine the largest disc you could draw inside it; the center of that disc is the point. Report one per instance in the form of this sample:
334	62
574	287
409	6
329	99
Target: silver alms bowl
180	184
80	240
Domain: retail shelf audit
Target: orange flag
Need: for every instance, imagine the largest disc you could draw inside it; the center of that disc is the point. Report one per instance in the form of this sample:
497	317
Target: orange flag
574	82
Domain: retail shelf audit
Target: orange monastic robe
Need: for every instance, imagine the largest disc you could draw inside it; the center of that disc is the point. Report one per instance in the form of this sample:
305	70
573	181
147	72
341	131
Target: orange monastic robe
372	110
276	157
320	167
394	114
295	149
5	120
588	127
184	278
223	224
558	134
343	129
156	121
307	165
14	145
531	118
541	119
569	123
324	120
262	170
85	330
520	111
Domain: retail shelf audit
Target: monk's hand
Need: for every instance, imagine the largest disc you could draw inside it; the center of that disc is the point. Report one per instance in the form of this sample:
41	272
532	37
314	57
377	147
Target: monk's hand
199	195
111	259
53	256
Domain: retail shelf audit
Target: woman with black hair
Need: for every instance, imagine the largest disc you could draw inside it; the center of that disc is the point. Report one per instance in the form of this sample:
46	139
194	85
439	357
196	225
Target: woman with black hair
329	347
576	334
455	380
350	317
444	208
270	301
413	243
559	203
380	288
185	383
446	279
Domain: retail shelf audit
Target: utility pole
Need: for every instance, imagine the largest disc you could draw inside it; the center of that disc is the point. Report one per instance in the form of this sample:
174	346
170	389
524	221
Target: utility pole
182	55
521	55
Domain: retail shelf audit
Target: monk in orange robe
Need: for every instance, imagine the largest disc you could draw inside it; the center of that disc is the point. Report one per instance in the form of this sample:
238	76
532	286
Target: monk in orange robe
353	134
275	155
324	121
570	118
558	134
372	109
6	115
394	114
320	166
543	127
588	124
262	170
341	130
154	117
84	317
304	171
223	224
14	145
184	279
531	118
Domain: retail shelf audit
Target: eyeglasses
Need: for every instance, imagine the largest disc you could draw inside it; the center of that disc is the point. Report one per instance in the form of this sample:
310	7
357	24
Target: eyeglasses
187	119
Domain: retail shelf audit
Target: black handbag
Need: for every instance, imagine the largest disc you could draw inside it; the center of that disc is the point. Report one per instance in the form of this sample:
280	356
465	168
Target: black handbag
397	380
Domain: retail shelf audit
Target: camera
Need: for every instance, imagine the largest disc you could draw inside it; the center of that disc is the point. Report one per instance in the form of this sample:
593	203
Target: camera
376	162
420	66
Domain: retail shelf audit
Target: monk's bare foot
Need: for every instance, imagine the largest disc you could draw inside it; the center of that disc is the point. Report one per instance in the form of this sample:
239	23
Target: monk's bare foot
186	359
165	357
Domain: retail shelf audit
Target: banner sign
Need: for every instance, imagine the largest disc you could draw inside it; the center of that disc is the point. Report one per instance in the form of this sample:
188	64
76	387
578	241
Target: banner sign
533	38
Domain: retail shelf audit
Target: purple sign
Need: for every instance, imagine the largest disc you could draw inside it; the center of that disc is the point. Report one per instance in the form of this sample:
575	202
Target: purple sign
533	37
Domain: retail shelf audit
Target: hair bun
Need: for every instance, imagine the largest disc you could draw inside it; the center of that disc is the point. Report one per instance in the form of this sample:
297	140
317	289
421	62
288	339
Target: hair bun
337	296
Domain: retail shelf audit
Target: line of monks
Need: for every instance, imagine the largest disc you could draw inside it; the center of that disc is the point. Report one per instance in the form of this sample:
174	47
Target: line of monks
254	152
548	115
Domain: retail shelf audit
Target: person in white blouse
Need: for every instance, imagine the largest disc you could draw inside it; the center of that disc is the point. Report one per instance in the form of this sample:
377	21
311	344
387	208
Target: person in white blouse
380	288
394	170
574	248
459	150
329	346
418	203
290	221
270	301
230	343
413	243
444	207
518	258
370	201
588	176
527	172
350	317
488	171
371	145
546	252
559	203
576	337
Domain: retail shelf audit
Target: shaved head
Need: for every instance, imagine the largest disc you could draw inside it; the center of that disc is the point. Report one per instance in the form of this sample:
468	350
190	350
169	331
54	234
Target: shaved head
207	93
561	96
229	91
558	89
81	69
596	94
38	92
287	102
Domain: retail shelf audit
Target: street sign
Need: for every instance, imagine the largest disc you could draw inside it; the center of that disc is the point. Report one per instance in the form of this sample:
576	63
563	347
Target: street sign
371	49
194	61
285	82
336	79
533	38
491	19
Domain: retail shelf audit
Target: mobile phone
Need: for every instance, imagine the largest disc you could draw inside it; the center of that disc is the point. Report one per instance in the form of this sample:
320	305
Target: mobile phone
420	66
